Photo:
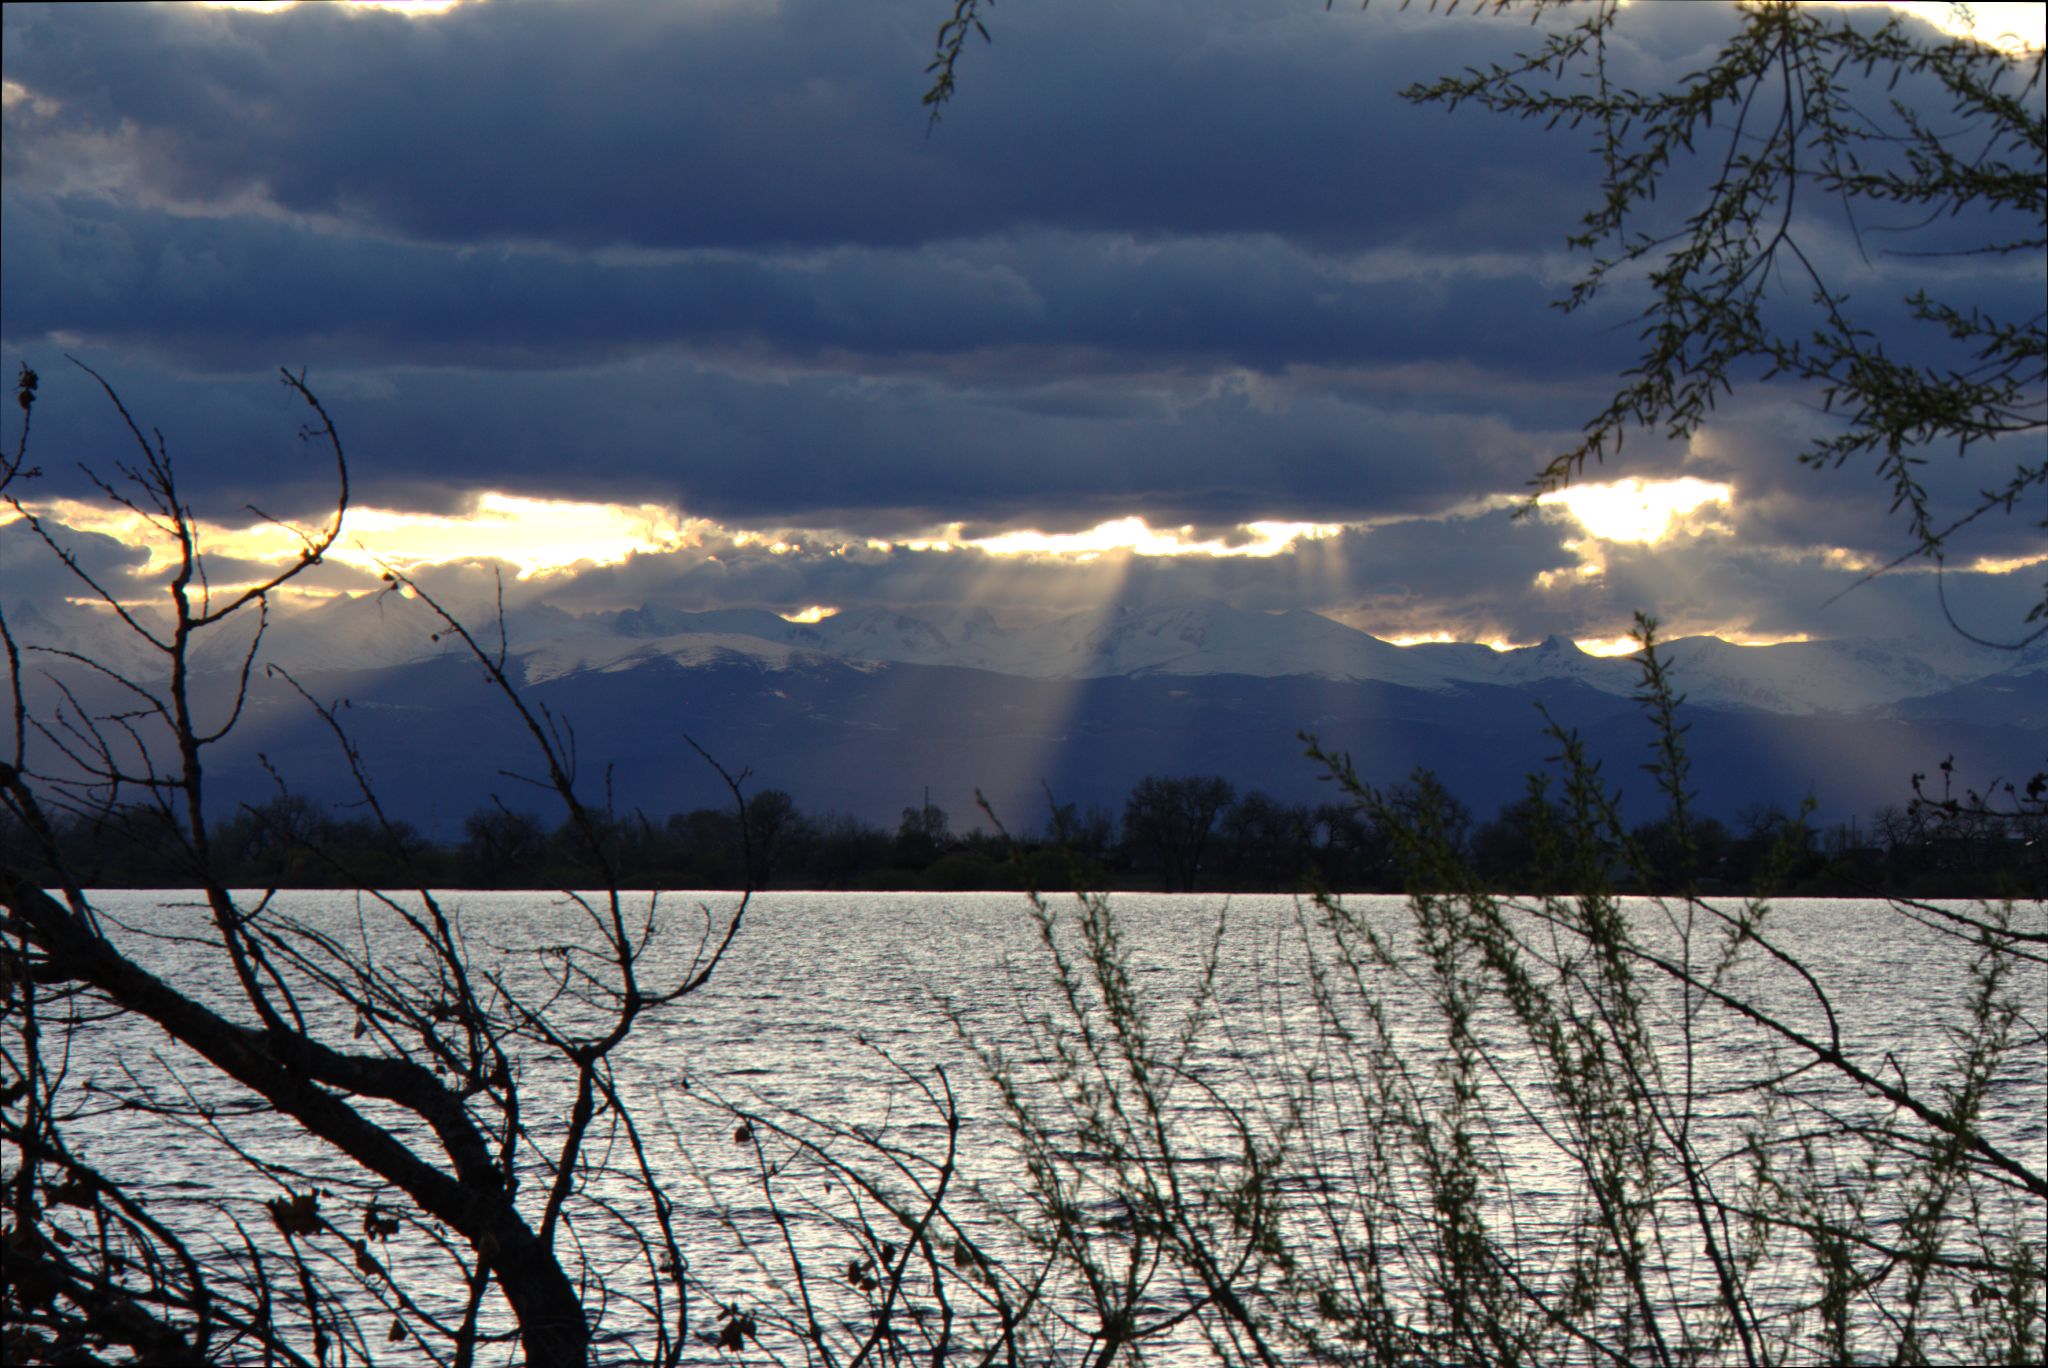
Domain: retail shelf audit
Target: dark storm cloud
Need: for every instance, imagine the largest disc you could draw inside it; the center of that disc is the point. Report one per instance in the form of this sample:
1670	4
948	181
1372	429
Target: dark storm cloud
232	440
683	125
1191	261
241	292
1074	358
612	122
30	574
804	449
1780	501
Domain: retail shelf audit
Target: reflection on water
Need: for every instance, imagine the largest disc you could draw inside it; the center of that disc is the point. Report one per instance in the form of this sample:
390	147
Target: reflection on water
828	1003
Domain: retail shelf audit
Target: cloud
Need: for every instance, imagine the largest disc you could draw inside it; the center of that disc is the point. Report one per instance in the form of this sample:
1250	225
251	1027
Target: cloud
33	575
240	292
1199	265
617	123
1474	571
877	455
1780	501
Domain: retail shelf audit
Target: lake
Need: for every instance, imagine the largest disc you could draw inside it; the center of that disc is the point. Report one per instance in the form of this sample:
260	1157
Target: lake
829	1006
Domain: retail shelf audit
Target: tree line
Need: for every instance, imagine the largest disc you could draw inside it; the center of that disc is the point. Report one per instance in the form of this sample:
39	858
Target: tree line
1179	833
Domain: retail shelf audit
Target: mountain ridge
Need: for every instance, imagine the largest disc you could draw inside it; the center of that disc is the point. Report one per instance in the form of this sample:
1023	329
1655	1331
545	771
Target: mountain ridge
1848	677
821	710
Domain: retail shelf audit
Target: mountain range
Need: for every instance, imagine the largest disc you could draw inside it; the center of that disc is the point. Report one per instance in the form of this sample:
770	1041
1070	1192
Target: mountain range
864	710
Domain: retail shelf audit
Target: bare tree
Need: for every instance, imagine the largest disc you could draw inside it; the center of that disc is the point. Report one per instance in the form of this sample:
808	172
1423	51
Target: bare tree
411	1066
418	1144
1170	821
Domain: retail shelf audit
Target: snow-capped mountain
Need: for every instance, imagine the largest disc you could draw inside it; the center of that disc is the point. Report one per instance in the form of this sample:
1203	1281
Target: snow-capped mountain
861	709
1828	676
1191	639
1846	677
602	652
1849	678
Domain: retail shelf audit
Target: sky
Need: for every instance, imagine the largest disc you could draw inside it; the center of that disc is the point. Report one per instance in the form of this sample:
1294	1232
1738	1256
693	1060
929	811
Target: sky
692	304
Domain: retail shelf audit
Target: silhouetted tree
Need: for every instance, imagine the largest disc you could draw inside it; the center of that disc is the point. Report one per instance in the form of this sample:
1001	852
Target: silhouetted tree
843	848
1266	845
1669	864
921	836
393	1057
1168	824
1089	834
502	848
775	831
1517	852
1350	851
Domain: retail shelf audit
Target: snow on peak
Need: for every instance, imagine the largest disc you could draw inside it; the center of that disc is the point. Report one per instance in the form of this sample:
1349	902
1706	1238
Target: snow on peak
1209	637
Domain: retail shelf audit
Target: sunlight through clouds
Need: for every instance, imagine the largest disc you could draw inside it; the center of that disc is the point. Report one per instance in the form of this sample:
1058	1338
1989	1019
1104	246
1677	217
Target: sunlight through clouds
2006	565
1130	535
1640	511
1135	535
2010	27
1440	638
418	8
539	536
535	536
1608	646
810	616
542	538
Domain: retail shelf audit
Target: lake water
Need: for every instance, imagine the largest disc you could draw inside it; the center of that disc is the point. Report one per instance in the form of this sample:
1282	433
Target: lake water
827	1005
